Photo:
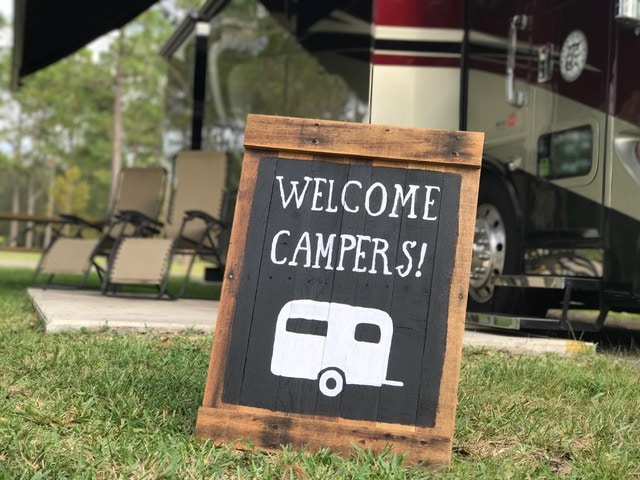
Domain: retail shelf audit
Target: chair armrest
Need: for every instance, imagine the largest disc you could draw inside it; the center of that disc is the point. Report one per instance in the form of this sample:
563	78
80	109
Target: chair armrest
210	220
138	218
81	222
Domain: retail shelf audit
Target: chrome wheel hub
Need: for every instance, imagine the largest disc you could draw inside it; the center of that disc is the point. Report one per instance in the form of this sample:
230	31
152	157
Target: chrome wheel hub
487	260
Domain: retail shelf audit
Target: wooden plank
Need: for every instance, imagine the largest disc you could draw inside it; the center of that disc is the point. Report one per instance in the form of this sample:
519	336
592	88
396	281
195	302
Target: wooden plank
288	134
272	431
29	218
233	270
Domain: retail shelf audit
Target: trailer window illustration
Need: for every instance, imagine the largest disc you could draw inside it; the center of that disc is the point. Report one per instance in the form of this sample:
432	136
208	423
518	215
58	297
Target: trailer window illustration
333	343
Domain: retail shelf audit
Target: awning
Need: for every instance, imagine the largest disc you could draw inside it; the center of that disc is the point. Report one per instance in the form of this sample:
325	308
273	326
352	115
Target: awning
46	31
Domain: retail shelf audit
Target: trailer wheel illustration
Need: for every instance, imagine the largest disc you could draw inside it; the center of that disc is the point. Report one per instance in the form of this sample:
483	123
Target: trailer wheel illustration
333	343
331	382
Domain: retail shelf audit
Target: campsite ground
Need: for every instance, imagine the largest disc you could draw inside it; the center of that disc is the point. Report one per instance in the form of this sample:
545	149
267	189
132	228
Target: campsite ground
109	404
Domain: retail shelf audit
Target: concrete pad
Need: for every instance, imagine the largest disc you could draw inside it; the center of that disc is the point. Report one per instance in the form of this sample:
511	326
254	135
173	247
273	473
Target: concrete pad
67	310
64	310
526	344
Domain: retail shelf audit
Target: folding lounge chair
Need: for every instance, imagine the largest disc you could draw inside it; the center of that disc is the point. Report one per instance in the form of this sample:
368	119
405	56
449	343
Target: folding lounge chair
193	227
140	195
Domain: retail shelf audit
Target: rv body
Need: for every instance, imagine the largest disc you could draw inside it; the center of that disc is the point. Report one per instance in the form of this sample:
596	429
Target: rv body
555	87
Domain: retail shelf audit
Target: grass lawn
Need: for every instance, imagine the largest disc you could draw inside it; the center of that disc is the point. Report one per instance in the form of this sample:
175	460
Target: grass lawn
115	405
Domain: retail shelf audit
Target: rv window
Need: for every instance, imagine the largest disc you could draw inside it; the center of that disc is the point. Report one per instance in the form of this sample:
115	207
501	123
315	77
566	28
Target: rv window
306	326
367	332
567	153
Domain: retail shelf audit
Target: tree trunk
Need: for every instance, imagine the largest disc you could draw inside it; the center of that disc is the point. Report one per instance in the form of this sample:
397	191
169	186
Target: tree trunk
48	233
31	207
15	209
116	158
14	226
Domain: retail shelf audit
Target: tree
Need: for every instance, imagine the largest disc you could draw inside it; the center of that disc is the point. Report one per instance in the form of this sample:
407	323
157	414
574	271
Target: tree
256	66
71	192
139	79
82	114
93	116
64	112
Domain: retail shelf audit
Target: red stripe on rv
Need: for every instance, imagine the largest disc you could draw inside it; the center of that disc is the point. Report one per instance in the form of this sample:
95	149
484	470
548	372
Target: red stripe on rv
419	13
412	60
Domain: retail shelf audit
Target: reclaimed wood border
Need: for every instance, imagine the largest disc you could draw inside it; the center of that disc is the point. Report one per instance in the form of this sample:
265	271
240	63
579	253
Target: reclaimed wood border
342	142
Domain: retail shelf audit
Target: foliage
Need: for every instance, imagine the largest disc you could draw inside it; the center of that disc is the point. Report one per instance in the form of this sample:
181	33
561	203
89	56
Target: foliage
253	66
62	116
65	116
124	405
72	193
135	52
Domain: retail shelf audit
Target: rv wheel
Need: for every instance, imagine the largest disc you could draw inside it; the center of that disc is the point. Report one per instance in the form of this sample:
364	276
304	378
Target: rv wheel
496	249
331	382
487	260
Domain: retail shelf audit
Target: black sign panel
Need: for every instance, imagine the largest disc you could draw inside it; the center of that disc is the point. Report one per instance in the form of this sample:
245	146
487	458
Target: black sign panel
342	294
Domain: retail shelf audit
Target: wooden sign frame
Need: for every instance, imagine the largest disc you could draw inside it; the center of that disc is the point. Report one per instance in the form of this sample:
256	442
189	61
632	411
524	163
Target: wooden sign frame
425	180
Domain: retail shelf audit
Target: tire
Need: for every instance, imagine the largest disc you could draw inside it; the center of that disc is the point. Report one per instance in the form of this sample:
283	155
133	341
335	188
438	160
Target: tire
331	382
497	249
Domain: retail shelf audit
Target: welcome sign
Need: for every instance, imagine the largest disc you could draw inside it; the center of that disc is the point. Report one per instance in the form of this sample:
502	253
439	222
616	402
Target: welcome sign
342	311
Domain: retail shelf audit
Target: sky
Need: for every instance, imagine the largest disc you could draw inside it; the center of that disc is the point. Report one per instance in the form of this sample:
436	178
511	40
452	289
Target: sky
6	8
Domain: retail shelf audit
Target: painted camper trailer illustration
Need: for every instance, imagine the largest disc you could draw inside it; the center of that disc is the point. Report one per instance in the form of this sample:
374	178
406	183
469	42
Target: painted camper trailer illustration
333	343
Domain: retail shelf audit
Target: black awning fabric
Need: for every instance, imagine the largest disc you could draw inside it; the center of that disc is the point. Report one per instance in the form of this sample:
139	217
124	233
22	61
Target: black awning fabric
46	31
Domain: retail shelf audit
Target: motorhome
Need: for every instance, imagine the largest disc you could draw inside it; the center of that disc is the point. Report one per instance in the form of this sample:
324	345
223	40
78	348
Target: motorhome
553	84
